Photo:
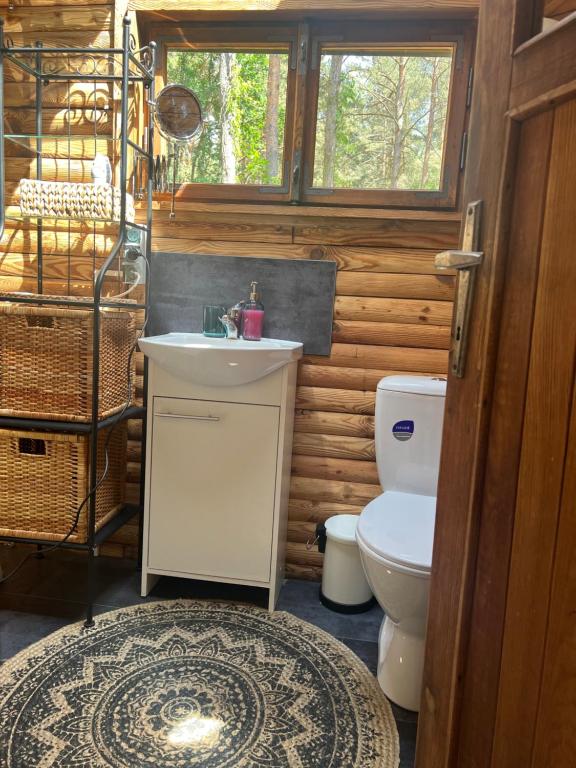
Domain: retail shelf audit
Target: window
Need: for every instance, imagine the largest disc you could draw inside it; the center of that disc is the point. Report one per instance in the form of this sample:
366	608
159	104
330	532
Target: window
243	98
381	121
356	114
244	77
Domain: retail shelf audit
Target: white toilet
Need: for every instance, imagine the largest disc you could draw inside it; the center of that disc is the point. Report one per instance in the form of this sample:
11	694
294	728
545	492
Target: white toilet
396	530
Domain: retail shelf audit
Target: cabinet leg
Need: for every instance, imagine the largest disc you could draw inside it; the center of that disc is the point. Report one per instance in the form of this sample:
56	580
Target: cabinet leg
274	591
272	596
149	581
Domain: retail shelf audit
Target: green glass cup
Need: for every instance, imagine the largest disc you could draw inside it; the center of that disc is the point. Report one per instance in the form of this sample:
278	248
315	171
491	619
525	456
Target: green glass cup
211	325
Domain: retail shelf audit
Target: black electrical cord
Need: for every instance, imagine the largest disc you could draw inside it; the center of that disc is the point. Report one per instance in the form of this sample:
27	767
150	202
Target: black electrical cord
59	544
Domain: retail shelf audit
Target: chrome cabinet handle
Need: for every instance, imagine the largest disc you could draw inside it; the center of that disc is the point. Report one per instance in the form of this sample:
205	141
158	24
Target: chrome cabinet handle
190	418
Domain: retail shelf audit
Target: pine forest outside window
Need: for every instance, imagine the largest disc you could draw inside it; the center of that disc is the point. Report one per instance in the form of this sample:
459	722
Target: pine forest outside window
336	114
381	121
243	97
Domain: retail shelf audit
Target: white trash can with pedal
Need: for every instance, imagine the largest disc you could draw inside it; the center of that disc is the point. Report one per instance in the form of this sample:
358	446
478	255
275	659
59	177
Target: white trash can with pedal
344	587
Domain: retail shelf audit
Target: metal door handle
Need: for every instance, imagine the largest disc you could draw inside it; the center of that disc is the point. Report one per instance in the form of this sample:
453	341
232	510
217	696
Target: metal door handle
466	262
190	418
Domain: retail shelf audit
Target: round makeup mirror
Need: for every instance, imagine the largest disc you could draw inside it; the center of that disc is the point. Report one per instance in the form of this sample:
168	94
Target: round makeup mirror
178	114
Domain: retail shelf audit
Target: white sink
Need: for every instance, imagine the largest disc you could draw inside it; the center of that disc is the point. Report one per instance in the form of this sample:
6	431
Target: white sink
218	362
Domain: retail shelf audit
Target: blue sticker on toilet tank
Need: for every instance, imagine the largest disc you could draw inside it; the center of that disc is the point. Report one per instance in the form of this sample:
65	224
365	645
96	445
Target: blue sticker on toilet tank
403	430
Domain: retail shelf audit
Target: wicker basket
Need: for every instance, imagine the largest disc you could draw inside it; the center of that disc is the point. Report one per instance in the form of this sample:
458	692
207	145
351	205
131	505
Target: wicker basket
44	477
70	200
46	361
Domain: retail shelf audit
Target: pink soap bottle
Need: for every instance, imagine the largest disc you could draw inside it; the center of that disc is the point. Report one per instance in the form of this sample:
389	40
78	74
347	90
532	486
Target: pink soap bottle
253	316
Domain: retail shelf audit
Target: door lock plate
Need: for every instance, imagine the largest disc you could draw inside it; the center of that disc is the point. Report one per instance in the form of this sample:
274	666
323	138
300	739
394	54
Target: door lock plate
465	262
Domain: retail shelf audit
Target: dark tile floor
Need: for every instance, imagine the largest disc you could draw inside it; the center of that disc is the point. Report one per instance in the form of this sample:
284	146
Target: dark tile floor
49	593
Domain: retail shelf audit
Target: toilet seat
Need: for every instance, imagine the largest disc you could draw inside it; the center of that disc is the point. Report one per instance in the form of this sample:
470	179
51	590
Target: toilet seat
398	528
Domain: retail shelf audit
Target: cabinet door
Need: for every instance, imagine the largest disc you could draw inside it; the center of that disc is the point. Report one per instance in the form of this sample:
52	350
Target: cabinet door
212	488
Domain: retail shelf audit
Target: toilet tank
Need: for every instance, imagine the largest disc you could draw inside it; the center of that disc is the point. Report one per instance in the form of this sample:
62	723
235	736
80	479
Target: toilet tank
408	427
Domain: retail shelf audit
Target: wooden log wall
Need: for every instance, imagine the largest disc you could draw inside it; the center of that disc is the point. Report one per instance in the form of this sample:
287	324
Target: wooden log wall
81	109
73	251
392	314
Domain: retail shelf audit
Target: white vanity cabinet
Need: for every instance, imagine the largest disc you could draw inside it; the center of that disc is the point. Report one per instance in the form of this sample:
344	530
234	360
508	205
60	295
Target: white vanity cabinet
217	479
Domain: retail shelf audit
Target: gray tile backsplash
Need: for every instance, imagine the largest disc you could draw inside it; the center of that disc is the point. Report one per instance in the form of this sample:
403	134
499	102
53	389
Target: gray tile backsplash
298	295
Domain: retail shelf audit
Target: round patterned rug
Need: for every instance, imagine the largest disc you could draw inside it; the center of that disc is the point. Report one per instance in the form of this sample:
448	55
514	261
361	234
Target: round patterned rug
190	684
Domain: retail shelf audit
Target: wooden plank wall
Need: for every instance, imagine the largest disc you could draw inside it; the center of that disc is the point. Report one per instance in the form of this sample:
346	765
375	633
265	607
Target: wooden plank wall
392	315
452	8
558	9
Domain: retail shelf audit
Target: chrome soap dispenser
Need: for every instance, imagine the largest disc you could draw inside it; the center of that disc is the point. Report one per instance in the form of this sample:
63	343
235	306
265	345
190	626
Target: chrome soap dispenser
253	316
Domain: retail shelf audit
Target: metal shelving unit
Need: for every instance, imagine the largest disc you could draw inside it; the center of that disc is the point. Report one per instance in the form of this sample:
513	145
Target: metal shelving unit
116	71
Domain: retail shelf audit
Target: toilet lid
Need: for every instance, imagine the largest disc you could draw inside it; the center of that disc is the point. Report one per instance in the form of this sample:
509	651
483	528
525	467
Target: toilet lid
400	527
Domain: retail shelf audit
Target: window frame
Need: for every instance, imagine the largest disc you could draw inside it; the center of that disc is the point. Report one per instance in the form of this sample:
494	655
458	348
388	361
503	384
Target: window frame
305	41
363	37
248	38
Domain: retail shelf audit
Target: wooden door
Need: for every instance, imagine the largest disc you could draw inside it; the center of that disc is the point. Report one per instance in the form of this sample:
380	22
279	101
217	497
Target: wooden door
500	673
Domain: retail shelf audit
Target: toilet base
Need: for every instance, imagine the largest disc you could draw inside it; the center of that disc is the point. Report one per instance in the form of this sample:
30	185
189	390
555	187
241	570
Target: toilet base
401	664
